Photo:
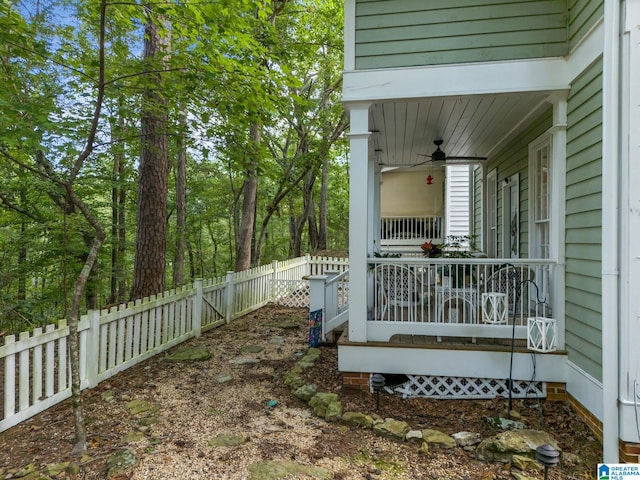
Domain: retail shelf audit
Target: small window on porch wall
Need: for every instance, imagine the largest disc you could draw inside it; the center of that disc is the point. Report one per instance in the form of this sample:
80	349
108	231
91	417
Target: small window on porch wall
540	171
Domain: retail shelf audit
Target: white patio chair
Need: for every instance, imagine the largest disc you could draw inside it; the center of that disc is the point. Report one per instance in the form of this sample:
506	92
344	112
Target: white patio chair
399	288
514	282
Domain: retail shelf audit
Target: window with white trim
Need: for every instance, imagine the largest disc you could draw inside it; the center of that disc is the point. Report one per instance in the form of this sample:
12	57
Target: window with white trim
540	171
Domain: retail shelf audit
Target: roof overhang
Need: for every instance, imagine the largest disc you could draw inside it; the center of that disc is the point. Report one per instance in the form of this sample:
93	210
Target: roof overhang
473	108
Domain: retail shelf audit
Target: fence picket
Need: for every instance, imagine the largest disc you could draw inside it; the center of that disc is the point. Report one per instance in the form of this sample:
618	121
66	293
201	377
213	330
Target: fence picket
36	388
50	364
36	366
23	375
9	379
62	358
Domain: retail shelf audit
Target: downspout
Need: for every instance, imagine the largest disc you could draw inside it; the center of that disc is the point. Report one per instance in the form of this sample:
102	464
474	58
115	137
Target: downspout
610	224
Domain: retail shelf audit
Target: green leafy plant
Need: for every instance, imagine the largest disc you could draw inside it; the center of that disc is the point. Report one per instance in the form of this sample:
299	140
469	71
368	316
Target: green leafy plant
456	246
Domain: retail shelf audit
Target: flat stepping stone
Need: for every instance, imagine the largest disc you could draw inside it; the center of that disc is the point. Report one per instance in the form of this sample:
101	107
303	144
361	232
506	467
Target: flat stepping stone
133	437
148	421
186	354
285	323
252	349
273	470
244	361
108	396
224	379
226	441
139	406
120	462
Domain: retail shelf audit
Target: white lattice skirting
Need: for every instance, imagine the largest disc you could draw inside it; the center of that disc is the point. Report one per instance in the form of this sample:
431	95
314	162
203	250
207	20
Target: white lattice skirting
291	293
467	388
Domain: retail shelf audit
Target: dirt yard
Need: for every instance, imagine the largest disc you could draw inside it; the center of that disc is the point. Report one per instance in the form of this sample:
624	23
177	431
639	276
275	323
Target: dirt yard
184	409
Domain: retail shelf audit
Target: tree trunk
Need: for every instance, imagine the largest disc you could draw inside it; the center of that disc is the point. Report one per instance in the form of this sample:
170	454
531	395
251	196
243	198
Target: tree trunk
181	203
118	196
22	262
324	200
307	214
122	234
249	193
297	224
151	237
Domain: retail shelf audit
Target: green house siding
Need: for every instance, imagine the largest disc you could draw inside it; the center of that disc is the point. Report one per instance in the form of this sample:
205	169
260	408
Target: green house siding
512	159
583	303
583	15
404	33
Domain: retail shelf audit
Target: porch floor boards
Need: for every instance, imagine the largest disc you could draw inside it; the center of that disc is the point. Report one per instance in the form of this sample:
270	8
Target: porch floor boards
446	343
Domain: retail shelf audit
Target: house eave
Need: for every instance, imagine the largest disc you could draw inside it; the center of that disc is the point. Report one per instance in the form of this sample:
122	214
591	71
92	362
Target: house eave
534	75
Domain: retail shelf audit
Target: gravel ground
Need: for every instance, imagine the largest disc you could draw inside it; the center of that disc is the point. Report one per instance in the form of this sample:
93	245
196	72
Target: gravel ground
189	405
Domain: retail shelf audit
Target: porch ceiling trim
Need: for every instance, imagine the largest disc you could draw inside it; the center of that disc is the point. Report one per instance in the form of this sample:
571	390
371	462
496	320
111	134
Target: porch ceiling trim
537	75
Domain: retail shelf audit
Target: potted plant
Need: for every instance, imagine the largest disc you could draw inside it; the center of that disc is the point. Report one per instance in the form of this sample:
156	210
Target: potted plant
430	249
455	246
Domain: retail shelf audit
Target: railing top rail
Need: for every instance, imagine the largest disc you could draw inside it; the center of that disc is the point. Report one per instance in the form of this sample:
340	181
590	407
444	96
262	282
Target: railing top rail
338	277
471	260
409	216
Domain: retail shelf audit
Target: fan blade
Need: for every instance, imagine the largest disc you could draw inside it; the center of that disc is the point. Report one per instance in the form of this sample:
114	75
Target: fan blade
466	158
435	163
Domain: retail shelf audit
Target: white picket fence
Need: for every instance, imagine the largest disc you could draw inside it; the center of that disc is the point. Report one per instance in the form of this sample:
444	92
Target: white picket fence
34	368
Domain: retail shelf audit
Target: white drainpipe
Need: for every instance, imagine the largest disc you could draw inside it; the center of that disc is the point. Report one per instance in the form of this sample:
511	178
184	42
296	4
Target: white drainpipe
610	225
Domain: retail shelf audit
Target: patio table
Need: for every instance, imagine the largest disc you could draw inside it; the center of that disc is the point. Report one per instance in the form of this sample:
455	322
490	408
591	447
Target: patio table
454	295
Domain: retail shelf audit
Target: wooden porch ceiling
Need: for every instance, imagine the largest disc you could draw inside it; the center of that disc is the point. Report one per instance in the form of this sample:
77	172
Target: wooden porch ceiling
474	125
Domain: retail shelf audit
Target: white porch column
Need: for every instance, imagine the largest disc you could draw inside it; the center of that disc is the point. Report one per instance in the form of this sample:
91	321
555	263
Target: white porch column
629	355
610	227
359	220
557	227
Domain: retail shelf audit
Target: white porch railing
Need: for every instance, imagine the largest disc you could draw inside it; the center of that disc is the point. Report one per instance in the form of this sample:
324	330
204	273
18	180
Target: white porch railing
34	367
330	293
443	296
410	231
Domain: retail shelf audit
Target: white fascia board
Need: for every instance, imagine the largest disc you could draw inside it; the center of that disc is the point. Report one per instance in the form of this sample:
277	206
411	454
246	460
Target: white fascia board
537	75
586	52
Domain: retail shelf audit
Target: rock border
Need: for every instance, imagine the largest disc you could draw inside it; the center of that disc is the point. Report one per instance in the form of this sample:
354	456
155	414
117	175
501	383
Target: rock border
520	453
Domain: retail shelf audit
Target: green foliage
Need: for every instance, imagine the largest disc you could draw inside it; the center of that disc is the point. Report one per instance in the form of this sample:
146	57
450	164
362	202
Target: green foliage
231	64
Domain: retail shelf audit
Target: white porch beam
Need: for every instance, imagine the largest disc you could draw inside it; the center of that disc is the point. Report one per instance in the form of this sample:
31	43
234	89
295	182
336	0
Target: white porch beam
359	220
548	74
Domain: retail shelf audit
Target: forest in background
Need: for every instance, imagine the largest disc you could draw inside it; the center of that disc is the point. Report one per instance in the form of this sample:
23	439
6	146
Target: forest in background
143	145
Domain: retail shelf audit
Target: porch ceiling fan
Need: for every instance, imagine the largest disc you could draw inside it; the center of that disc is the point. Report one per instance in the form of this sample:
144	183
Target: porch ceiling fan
438	157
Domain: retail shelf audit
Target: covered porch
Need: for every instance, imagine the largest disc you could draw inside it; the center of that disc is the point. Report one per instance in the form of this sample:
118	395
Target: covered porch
460	327
510	136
